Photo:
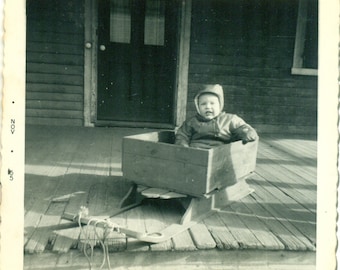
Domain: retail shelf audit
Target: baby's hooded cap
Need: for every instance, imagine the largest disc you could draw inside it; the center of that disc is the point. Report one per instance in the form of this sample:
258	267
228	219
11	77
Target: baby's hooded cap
214	89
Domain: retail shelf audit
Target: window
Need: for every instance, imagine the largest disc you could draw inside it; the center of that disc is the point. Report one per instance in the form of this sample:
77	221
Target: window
305	60
120	21
154	22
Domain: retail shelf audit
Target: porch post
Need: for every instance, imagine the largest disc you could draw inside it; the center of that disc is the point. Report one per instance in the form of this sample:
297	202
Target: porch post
90	63
183	63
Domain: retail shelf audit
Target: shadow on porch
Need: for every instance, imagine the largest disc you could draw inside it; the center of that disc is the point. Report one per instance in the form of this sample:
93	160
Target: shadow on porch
67	168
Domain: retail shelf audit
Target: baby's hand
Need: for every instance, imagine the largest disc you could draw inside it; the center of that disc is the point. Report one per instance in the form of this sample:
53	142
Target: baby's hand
249	136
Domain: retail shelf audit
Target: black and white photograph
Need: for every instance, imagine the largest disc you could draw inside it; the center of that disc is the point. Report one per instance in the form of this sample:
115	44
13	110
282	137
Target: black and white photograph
169	134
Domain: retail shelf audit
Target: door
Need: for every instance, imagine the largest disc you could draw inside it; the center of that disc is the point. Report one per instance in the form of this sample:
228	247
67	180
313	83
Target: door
137	52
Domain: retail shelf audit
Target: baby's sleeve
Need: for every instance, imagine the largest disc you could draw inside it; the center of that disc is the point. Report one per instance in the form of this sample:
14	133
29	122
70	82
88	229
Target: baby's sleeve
243	131
183	135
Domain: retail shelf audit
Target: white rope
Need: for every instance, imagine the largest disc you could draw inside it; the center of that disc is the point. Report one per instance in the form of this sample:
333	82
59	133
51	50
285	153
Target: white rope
108	228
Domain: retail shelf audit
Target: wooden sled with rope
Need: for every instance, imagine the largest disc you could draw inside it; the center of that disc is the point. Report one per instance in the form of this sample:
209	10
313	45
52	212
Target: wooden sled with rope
204	181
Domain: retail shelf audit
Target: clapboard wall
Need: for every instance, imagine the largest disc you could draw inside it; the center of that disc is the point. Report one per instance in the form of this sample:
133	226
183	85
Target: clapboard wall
55	62
247	46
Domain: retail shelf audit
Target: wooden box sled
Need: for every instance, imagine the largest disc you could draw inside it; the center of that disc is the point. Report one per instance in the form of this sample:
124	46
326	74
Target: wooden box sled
152	160
204	180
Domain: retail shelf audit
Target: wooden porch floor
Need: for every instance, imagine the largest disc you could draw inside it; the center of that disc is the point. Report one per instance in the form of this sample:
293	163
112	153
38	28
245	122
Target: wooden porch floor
70	167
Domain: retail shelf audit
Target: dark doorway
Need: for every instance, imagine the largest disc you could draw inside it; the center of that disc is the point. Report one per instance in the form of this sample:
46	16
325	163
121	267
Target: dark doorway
137	57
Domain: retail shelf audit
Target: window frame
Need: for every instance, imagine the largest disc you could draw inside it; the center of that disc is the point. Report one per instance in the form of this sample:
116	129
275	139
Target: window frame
299	46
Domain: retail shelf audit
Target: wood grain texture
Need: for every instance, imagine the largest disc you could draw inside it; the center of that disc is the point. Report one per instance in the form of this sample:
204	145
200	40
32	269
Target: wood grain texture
54	61
69	167
243	47
147	160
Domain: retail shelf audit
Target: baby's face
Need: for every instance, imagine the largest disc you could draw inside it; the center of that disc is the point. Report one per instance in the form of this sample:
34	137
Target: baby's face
209	106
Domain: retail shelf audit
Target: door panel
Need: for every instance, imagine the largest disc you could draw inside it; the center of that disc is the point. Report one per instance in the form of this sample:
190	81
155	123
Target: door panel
137	60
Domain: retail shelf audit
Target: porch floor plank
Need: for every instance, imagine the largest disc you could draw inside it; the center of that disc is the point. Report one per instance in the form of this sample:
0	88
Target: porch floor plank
289	176
135	221
305	148
183	242
274	225
77	196
71	167
38	203
41	236
244	237
297	165
71	189
40	139
154	223
66	239
171	213
202	237
256	226
279	198
294	221
302	192
223	237
79	186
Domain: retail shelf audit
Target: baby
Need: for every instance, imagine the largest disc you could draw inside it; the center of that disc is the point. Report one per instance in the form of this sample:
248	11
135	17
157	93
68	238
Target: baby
211	126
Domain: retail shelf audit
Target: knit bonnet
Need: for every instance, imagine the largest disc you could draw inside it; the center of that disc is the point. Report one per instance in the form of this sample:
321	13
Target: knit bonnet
214	89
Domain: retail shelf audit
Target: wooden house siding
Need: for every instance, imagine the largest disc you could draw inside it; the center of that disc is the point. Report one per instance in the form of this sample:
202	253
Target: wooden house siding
248	47
55	62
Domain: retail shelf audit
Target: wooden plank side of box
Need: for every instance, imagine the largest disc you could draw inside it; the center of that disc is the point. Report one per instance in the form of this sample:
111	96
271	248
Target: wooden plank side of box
168	174
231	162
165	151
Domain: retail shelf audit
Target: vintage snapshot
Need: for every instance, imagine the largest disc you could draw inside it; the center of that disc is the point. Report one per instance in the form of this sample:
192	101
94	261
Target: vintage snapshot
169	134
